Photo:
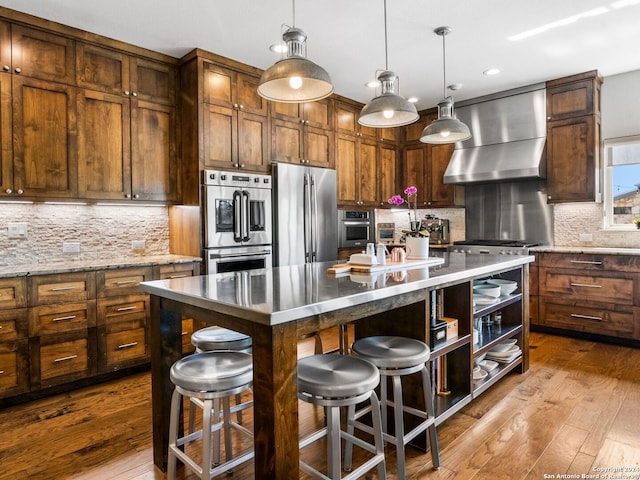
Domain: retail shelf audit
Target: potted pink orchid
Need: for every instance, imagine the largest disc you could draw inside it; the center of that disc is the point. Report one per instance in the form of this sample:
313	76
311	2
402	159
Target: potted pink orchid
415	225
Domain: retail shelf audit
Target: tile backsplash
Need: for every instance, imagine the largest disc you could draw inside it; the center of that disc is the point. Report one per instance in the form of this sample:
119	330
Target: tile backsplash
104	231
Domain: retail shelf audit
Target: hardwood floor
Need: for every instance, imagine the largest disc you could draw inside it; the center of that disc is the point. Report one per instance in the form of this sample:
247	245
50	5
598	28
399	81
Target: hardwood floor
575	410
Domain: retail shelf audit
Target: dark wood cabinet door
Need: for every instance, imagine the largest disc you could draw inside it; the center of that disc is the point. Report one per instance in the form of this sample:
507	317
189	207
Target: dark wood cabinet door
318	147
572	148
415	164
318	114
440	195
5	47
252	141
6	138
247	96
574	96
367	164
45	138
387	173
286	140
43	55
153	81
154	165
104	165
218	84
413	131
346	164
102	69
219	136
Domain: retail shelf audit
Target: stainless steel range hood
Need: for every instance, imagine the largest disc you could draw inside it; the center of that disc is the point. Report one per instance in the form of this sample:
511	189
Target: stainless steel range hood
508	138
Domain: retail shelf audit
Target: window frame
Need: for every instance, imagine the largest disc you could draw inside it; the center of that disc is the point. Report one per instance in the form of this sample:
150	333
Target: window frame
607	184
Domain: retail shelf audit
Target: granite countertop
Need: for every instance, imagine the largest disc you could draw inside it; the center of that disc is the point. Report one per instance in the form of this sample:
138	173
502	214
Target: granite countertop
273	296
587	250
45	268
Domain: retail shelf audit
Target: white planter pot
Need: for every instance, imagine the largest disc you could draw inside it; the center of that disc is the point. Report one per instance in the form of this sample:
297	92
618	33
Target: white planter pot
417	247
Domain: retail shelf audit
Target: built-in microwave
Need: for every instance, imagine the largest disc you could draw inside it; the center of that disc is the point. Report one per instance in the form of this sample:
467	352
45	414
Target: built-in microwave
355	228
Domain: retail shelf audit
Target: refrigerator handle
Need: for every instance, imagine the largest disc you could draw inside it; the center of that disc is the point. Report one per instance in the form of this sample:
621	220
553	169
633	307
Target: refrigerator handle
314	219
306	218
245	216
237	216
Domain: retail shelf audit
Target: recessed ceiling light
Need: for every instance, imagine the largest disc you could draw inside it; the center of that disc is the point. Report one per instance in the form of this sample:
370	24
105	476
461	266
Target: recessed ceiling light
491	71
454	86
372	84
412	99
278	48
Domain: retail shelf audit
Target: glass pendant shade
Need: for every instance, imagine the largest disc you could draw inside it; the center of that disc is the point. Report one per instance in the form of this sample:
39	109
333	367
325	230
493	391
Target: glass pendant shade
447	128
388	109
295	79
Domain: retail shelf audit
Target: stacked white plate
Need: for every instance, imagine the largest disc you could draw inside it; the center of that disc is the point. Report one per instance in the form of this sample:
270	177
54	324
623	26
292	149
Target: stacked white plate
489	366
488	290
504	352
506	286
479	299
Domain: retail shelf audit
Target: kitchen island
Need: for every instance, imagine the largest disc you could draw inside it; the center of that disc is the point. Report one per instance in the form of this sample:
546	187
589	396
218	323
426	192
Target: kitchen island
276	306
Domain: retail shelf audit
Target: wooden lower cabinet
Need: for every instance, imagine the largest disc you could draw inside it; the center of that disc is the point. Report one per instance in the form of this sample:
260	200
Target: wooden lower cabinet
589	294
62	329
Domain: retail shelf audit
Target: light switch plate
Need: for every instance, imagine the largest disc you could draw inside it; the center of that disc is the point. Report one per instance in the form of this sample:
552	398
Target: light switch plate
586	237
70	247
17	230
138	245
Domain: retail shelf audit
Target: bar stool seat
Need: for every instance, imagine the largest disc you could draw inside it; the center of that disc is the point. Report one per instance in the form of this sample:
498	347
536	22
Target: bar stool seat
213	338
396	357
209	376
333	381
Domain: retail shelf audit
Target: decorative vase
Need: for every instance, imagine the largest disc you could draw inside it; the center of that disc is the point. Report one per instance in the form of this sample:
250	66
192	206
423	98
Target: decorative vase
417	247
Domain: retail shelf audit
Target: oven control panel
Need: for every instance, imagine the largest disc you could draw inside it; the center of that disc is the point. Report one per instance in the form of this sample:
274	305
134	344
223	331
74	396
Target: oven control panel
236	179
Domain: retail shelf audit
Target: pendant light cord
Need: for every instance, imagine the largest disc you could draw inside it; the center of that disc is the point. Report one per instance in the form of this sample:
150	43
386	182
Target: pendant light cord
444	68
294	13
386	54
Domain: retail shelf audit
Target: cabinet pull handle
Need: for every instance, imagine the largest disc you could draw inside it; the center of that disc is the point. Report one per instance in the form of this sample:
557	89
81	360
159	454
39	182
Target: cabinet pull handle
62	319
125	282
126	309
127	345
179	276
1	372
18	70
587	317
588	285
64	359
185	333
8	191
61	289
6	68
589	262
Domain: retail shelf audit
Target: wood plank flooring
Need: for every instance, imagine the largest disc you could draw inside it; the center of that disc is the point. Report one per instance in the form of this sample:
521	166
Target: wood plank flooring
577	409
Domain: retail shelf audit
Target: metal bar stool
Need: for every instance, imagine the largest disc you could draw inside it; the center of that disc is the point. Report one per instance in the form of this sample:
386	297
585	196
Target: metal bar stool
333	381
209	376
212	339
396	357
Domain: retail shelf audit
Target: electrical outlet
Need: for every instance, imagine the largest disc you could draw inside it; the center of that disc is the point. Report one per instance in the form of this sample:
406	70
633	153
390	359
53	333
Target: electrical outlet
17	230
70	247
138	245
586	237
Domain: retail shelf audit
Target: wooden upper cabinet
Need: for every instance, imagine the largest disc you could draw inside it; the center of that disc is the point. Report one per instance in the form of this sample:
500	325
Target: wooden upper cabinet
346	121
115	72
44	130
573	137
415	171
43	55
6	138
387	173
5	47
231	88
440	194
413	131
356	164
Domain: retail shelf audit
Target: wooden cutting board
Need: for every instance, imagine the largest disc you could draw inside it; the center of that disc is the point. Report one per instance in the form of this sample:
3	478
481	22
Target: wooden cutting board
389	266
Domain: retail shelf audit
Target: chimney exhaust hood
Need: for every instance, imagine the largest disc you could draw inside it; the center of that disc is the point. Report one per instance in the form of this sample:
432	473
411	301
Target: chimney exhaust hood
508	138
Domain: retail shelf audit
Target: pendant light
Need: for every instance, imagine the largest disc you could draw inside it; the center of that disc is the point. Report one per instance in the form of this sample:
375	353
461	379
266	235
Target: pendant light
447	128
295	79
388	109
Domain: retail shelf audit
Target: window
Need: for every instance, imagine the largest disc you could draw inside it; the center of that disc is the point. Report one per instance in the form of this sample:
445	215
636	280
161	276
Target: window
622	181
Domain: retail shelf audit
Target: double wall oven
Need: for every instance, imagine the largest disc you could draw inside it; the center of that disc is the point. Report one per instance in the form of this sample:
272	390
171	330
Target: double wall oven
237	221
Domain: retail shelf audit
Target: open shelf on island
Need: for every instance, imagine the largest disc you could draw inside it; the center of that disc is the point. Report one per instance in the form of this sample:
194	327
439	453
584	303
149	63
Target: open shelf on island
491	337
501	371
480	310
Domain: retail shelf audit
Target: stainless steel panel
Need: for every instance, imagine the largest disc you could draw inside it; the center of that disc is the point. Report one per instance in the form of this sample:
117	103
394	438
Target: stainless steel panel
513	210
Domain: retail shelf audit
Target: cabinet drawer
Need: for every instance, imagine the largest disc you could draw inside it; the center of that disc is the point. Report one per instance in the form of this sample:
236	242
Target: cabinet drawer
122	348
68	287
14	324
590	262
66	317
64	358
179	270
13	292
601	319
124	281
14	371
602	288
119	309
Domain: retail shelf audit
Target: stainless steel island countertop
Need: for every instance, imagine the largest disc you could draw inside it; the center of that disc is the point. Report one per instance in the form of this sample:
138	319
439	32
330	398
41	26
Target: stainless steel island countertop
277	305
283	294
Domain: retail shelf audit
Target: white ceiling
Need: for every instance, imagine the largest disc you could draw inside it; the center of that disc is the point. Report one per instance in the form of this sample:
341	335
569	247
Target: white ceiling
346	37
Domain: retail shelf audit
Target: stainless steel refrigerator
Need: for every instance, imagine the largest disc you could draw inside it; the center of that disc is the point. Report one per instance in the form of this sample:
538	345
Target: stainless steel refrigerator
305	214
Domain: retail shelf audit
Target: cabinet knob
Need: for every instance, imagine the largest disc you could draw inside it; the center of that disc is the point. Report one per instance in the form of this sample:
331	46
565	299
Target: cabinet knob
548	118
9	191
135	94
127	92
20	191
18	70
549	197
242	165
235	105
136	196
241	107
126	195
6	68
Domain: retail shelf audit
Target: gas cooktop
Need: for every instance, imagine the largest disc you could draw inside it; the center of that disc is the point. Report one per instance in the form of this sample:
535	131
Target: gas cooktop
498	243
496	247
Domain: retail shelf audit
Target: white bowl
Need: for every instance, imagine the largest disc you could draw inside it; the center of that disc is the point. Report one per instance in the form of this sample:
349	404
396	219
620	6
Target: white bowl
506	286
480	375
488	365
484	299
489	290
